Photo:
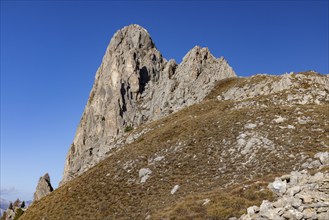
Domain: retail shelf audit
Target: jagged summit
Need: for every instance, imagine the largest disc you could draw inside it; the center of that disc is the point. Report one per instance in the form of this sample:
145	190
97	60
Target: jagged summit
198	52
134	85
132	36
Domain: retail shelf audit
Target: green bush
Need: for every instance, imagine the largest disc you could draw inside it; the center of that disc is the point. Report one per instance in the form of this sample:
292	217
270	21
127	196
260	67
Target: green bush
128	128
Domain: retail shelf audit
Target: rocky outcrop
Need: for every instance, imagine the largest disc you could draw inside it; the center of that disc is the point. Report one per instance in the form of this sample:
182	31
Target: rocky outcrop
319	161
300	196
133	85
287	89
43	188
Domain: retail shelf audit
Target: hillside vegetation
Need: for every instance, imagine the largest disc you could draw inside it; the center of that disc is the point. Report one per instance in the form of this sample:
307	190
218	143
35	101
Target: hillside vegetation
211	160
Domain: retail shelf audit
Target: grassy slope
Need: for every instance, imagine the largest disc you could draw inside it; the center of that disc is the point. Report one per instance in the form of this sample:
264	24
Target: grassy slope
196	145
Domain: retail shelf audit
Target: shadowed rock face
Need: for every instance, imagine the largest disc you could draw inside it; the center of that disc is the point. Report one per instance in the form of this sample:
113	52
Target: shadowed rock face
43	188
133	85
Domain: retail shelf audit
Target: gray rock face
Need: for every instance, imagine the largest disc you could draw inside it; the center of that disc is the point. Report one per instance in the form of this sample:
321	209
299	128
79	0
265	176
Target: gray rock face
43	188
133	85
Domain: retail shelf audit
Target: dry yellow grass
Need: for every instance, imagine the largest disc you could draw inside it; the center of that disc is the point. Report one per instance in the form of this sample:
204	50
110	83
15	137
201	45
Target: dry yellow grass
195	144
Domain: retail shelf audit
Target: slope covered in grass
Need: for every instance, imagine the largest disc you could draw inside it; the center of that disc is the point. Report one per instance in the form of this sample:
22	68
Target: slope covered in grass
220	154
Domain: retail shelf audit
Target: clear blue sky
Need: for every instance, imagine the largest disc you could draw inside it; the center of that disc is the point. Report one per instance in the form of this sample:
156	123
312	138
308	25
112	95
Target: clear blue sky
51	50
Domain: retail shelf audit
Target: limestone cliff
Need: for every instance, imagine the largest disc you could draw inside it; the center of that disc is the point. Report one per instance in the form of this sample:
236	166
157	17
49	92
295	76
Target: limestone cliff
133	85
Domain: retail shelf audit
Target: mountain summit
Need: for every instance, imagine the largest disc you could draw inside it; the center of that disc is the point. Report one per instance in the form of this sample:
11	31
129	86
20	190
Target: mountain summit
133	85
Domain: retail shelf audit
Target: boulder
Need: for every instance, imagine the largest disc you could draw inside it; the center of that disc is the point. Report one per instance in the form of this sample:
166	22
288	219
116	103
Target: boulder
278	186
323	157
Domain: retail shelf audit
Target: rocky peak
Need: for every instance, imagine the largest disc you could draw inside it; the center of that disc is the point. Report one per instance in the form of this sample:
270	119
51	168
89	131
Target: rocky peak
134	85
43	188
198	54
131	37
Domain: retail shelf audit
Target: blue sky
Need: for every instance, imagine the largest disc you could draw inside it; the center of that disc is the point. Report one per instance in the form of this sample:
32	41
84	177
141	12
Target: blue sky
50	51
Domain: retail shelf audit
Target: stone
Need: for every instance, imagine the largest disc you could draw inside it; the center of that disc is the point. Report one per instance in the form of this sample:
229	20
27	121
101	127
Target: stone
134	85
296	202
298	215
323	216
250	126
252	210
307	198
323	157
309	213
316	177
292	214
206	201
174	189
144	174
314	164
280	203
43	188
278	186
265	207
279	119
273	214
323	209
293	190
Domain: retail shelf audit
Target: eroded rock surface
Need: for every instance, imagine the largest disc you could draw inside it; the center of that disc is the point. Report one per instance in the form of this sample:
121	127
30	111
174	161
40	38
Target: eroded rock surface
133	85
43	188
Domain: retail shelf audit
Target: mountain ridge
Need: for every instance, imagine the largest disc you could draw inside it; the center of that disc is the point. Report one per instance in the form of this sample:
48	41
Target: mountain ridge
161	140
211	160
133	85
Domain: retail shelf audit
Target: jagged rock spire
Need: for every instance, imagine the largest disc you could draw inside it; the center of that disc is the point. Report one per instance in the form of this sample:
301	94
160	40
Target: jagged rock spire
133	85
43	188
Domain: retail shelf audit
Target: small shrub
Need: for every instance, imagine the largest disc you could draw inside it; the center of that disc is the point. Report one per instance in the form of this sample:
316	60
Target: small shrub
128	128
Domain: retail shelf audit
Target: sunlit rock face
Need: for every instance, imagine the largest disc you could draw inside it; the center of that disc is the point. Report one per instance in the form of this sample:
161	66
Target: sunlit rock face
133	85
43	188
